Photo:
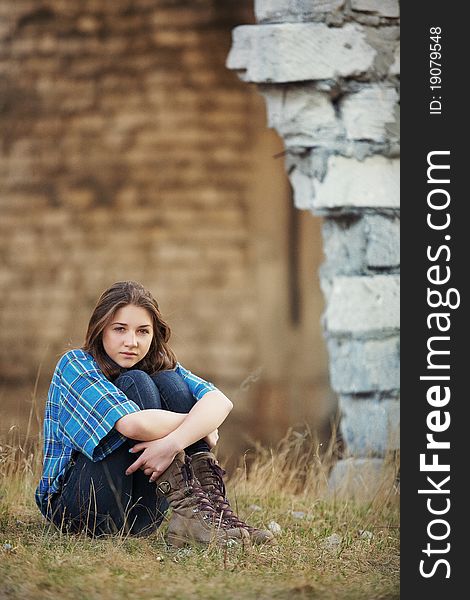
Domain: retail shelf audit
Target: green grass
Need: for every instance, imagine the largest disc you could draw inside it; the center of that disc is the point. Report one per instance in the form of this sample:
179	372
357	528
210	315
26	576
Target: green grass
37	562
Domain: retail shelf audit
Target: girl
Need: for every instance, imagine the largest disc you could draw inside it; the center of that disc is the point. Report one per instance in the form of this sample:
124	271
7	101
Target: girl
125	385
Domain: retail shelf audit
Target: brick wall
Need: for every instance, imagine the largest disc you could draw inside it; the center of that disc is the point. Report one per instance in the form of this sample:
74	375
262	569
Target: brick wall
129	151
126	154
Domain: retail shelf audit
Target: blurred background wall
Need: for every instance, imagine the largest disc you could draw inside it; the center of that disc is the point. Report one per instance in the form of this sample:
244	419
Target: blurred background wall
129	151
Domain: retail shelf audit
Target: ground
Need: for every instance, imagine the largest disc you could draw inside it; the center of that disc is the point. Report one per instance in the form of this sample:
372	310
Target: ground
327	547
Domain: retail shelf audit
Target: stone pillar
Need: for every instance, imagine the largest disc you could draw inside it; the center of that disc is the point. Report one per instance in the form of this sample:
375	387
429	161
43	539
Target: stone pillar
329	71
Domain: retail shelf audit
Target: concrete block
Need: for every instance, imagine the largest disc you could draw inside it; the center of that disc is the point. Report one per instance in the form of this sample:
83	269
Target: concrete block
344	246
395	66
274	98
239	56
302	115
384	8
373	182
367	113
285	11
303	188
385	41
352	245
359	366
299	52
382	236
363	305
370	427
361	479
303	169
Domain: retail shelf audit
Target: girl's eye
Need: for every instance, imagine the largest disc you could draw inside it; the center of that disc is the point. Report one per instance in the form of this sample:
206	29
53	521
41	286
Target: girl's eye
119	329
144	331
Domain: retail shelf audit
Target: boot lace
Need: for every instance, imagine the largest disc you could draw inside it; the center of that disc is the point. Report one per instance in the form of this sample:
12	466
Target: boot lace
217	495
199	498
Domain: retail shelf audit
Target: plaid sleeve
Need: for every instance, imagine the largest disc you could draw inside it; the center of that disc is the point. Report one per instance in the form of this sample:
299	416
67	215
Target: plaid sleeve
197	386
90	406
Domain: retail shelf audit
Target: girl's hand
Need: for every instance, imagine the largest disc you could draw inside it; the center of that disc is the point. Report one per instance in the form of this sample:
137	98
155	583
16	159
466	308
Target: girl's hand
156	457
212	438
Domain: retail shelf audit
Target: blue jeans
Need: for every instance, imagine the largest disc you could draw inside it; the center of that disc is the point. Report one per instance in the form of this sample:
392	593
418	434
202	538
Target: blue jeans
97	497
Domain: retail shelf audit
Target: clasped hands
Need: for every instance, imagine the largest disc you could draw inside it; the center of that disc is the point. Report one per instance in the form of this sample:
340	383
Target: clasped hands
157	455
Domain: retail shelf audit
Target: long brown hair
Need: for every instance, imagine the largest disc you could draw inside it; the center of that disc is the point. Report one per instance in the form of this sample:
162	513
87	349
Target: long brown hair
159	357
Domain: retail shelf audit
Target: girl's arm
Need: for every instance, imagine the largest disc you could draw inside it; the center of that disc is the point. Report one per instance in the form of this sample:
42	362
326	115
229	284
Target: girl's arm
205	416
151	424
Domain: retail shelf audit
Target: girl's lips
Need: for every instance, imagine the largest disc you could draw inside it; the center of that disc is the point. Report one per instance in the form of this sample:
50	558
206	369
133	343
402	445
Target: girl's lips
128	354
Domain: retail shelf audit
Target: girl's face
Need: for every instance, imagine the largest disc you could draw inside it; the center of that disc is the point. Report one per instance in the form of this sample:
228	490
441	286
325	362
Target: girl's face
128	336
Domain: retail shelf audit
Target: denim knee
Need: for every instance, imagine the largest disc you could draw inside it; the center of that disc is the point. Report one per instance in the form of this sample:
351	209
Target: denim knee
170	382
170	377
174	391
133	376
139	387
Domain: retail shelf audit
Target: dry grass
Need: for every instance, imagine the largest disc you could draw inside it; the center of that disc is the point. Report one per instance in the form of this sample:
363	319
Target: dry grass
38	562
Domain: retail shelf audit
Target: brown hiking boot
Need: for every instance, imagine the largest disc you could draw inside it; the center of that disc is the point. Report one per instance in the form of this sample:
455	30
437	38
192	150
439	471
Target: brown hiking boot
210	475
194	519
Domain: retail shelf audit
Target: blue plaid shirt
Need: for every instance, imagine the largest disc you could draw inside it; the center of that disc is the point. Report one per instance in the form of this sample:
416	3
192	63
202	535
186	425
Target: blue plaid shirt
81	410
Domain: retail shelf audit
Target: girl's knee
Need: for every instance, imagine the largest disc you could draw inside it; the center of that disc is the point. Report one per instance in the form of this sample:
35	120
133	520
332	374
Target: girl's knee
174	391
134	377
170	377
139	387
170	383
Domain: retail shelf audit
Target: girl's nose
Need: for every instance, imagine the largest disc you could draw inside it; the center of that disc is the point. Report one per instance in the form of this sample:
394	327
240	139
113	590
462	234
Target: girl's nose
131	339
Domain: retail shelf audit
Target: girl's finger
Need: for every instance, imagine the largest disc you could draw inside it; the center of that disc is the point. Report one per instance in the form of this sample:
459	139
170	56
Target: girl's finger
135	465
138	447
